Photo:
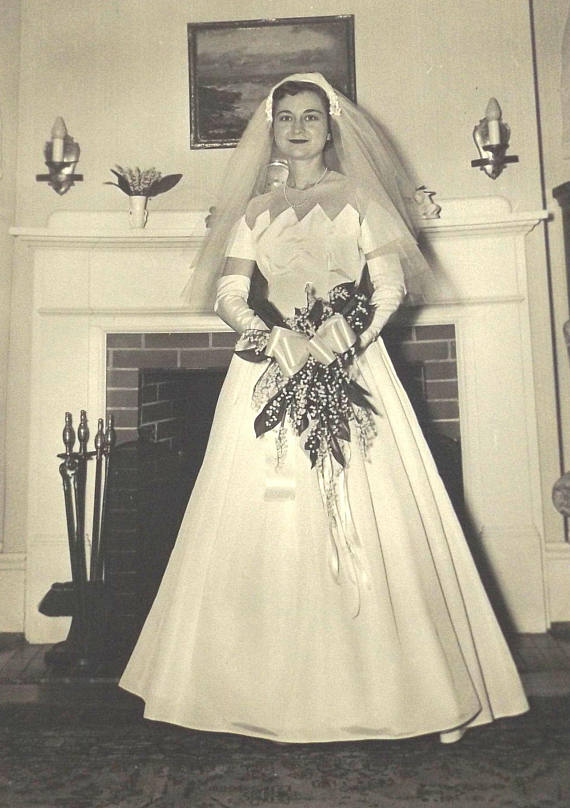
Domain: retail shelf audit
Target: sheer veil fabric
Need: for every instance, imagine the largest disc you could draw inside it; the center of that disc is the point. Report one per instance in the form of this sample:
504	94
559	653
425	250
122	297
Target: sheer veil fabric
359	150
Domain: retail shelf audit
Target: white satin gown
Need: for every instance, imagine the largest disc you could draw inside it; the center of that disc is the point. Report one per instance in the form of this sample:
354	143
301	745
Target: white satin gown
251	631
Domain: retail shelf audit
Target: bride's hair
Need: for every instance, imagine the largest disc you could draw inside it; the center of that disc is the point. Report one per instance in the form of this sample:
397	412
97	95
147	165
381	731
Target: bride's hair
296	87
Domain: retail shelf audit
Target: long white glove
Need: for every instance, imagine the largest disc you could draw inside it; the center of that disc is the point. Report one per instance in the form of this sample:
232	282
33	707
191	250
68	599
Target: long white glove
387	279
231	304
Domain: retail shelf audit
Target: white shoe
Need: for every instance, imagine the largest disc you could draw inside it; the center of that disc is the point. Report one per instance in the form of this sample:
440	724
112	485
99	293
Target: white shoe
453	735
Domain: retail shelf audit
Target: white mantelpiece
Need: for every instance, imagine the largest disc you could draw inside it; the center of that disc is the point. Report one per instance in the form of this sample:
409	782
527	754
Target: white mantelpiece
87	274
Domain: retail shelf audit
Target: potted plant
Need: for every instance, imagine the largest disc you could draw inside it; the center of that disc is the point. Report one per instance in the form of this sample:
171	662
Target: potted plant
139	187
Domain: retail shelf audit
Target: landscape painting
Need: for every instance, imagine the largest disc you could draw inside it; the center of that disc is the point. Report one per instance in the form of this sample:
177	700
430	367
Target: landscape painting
233	65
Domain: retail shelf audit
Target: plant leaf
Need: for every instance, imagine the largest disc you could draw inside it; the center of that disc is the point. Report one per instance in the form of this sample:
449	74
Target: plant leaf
341	294
343	430
121	183
358	395
337	451
316	313
163	184
314	456
264	421
251	355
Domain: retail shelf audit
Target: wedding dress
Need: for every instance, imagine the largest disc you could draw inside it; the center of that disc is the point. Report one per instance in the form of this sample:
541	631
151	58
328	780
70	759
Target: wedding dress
268	625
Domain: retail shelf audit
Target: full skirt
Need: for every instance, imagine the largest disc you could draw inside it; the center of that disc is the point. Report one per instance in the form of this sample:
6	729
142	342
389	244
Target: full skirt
264	626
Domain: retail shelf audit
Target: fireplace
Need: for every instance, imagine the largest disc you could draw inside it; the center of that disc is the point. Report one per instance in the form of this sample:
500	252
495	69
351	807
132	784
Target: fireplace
154	380
87	286
162	390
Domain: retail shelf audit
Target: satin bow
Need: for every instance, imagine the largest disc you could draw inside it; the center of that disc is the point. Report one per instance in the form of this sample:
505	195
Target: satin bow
290	349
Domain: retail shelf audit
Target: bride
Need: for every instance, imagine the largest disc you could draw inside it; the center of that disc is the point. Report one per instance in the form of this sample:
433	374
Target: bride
320	588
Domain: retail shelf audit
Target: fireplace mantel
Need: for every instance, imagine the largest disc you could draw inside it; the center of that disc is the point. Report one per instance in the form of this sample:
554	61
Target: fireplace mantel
102	282
462	218
112	228
86	274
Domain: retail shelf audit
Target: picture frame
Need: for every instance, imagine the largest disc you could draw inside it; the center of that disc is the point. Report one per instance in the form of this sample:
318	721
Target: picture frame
233	65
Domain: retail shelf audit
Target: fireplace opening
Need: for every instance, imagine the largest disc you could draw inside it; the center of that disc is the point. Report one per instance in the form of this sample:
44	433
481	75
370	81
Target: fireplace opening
162	390
151	479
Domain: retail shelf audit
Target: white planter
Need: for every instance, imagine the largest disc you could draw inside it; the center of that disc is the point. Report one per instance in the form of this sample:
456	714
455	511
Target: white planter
138	213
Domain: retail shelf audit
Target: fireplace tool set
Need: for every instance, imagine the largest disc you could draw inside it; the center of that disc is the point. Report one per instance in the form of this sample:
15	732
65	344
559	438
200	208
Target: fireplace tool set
85	598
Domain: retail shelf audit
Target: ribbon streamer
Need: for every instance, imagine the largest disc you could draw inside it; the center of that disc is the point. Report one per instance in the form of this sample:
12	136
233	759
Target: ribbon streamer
346	547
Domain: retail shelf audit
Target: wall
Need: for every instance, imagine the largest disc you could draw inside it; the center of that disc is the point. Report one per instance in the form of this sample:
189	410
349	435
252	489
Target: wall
11	565
9	70
117	72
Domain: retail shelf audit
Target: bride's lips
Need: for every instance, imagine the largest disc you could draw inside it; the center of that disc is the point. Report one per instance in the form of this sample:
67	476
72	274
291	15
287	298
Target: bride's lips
298	140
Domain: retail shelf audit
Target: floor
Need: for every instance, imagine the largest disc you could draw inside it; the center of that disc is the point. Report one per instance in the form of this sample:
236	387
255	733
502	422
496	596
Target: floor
543	660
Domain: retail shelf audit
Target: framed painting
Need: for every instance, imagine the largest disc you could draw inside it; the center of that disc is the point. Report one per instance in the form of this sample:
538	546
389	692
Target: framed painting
233	65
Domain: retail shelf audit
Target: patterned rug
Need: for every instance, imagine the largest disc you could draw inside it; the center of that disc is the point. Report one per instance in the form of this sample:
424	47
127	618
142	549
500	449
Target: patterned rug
106	756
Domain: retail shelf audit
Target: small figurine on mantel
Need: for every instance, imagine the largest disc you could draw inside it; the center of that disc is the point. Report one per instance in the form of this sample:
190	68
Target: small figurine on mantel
426	207
208	221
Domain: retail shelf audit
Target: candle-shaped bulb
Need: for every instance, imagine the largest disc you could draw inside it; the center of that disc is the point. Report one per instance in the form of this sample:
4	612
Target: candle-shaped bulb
59	128
493	115
58	135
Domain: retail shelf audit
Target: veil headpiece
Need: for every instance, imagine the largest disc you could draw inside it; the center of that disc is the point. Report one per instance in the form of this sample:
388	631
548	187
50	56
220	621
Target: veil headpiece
359	150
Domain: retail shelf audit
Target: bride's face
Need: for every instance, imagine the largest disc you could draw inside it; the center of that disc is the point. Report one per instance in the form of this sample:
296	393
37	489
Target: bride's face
300	125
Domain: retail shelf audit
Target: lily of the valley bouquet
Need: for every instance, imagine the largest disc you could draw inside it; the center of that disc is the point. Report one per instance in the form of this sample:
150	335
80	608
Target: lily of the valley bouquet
148	182
308	380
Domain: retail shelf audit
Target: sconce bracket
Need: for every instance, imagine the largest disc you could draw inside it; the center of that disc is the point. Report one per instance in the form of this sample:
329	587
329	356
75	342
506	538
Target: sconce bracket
58	179
493	166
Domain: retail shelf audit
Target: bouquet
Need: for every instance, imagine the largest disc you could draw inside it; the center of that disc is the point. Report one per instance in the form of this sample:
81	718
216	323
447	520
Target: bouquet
320	398
150	182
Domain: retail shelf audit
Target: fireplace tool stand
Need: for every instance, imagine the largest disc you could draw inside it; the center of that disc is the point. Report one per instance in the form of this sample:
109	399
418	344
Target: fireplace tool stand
86	597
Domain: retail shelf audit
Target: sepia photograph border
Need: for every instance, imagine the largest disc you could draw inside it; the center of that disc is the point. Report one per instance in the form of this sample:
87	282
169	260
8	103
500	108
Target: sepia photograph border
256	54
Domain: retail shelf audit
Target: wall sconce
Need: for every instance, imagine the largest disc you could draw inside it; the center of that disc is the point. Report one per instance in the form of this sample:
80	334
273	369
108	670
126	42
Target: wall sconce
491	136
61	156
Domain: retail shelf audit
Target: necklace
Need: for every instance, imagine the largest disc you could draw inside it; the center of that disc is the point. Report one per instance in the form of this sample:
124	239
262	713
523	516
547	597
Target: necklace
310	187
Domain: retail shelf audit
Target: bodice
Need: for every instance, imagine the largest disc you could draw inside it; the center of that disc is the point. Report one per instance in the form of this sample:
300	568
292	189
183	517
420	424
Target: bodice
321	241
315	250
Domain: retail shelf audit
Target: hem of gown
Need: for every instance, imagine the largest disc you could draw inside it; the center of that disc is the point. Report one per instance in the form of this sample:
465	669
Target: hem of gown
466	722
